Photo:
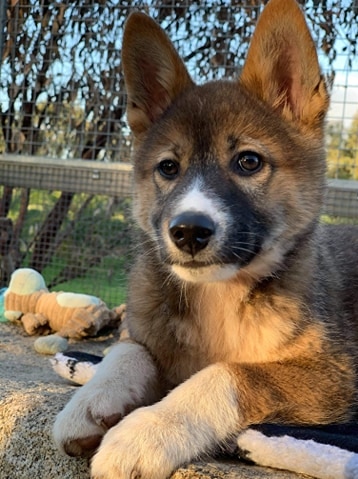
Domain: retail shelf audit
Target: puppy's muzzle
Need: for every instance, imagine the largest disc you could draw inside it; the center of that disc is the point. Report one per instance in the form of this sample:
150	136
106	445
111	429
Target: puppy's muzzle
191	232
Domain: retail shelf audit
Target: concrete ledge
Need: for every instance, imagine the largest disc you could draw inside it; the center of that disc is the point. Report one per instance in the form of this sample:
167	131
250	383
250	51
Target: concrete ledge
31	395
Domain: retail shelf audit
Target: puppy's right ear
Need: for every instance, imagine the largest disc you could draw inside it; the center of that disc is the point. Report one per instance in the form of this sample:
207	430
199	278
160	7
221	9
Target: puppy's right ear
154	74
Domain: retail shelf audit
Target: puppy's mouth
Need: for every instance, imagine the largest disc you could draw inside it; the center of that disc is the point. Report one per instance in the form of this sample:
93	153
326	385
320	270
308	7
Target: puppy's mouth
200	272
194	264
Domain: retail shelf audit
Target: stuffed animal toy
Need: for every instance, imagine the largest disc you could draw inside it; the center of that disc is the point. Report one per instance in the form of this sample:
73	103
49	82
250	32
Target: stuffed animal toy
70	315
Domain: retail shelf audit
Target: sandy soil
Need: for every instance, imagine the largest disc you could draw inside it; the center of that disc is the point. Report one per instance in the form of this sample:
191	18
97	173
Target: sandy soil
31	394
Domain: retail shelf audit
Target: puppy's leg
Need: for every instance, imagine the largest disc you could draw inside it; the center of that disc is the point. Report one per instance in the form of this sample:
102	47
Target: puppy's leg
126	379
213	406
152	441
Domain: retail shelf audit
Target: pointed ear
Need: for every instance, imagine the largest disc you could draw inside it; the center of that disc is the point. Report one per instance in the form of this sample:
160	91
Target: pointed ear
282	66
154	74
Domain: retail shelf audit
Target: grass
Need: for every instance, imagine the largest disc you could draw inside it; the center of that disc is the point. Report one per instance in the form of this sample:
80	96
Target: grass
92	257
337	220
106	281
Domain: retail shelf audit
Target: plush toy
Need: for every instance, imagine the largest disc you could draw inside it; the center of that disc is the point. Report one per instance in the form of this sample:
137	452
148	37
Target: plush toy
70	315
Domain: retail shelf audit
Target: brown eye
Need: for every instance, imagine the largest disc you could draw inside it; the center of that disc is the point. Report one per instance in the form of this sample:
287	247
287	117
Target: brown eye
169	169
246	163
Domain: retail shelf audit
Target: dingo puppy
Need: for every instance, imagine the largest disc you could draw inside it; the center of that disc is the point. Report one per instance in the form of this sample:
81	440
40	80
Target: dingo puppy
242	308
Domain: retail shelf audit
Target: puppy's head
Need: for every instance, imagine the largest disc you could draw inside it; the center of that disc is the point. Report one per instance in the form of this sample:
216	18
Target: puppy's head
228	175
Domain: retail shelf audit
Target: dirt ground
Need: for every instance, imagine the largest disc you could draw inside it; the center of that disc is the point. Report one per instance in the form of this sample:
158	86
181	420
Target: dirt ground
31	394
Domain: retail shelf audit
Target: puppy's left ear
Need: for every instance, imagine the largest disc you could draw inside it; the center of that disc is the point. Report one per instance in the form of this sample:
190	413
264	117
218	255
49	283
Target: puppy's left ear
154	74
282	67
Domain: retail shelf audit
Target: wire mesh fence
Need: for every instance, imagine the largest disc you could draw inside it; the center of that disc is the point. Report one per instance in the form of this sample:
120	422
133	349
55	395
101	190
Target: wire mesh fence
62	90
62	97
88	253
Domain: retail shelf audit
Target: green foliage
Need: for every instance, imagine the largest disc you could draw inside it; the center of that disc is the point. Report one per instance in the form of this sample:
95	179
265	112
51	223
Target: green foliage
336	220
91	252
342	150
107	280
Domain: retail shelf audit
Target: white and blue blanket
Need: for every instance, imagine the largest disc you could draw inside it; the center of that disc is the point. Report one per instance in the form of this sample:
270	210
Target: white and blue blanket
324	452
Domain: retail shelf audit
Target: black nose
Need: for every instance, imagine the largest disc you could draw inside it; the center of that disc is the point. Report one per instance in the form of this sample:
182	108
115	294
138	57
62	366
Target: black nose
191	232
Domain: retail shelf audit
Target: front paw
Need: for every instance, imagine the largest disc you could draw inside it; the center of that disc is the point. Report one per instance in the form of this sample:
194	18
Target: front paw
125	380
144	445
80	427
